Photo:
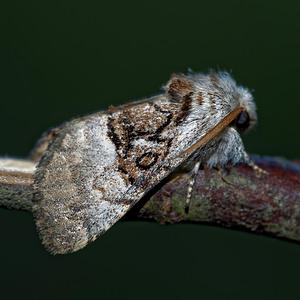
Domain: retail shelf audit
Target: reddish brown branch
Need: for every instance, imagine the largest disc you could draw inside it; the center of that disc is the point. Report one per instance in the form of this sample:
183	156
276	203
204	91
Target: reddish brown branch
269	204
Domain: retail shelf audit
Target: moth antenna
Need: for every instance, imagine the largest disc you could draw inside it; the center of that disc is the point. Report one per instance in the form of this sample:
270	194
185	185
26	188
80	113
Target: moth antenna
194	173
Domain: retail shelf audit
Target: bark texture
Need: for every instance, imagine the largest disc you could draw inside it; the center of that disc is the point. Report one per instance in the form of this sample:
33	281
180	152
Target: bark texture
268	204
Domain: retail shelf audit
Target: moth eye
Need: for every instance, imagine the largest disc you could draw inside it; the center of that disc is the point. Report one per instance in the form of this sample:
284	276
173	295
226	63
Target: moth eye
242	120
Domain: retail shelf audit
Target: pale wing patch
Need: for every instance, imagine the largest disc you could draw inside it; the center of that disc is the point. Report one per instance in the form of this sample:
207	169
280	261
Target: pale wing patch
79	189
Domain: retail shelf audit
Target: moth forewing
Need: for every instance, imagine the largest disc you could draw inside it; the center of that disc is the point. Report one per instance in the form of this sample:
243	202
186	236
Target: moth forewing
97	167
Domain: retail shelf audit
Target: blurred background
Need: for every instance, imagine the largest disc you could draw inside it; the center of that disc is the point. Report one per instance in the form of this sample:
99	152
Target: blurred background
60	59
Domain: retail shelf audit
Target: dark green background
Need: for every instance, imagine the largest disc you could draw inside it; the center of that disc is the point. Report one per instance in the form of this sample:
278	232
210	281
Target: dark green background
59	59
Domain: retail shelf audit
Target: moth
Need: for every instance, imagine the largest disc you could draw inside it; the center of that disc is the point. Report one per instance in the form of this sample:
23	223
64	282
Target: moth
93	169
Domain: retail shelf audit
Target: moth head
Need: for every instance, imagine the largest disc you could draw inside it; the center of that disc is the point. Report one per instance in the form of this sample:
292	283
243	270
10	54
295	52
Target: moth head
248	117
240	96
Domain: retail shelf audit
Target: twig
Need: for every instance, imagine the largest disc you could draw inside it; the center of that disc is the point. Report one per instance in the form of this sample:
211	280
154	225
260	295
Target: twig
269	204
16	180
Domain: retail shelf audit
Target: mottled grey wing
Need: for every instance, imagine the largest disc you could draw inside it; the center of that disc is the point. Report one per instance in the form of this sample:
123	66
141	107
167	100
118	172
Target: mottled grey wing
93	172
78	192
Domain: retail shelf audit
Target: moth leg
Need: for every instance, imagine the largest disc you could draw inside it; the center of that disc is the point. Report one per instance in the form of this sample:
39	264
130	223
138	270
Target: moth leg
259	172
194	173
222	172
